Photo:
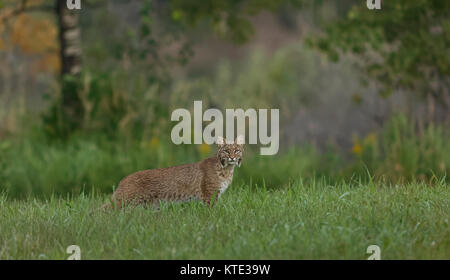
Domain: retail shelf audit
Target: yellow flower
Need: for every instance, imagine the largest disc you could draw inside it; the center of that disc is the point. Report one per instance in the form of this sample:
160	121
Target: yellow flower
371	138
204	149
357	149
154	143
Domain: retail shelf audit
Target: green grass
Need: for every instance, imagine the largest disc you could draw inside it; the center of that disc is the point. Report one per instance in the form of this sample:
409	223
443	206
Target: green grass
50	190
314	220
31	166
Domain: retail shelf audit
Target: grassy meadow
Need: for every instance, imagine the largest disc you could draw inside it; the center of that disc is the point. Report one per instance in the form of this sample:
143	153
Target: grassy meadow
305	220
301	204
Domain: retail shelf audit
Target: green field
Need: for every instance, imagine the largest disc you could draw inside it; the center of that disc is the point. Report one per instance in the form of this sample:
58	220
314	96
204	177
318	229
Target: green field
299	204
314	220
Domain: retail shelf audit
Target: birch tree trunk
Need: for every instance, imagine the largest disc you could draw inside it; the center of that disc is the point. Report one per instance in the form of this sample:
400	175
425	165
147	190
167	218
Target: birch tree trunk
71	64
70	39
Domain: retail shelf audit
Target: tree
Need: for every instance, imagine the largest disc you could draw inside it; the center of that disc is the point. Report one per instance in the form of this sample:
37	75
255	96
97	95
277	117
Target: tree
405	45
69	38
71	63
228	18
68	26
69	45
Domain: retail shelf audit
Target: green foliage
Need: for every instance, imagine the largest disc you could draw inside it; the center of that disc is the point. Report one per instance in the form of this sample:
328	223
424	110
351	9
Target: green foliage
33	168
314	220
150	43
101	100
117	103
398	153
285	168
228	19
403	45
65	112
86	162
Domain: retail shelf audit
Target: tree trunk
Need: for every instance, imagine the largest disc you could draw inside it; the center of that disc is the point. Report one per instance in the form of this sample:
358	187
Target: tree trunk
70	39
71	66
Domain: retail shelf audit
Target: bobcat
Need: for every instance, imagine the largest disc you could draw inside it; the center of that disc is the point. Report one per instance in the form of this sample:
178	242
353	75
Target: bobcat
204	180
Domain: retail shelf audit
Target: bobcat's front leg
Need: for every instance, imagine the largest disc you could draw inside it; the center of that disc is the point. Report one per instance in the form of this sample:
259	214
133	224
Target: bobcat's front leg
210	197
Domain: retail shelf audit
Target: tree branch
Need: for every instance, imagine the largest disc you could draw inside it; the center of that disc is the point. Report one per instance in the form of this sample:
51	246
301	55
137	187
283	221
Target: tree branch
22	8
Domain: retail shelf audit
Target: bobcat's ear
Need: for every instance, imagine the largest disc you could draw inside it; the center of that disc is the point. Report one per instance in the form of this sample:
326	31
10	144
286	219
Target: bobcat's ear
240	140
220	141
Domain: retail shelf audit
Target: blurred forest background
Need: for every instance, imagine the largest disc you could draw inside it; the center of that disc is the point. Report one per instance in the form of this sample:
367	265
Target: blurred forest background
86	95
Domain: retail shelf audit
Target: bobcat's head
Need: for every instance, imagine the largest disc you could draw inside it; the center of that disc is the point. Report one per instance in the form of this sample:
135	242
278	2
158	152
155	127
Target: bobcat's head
230	153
